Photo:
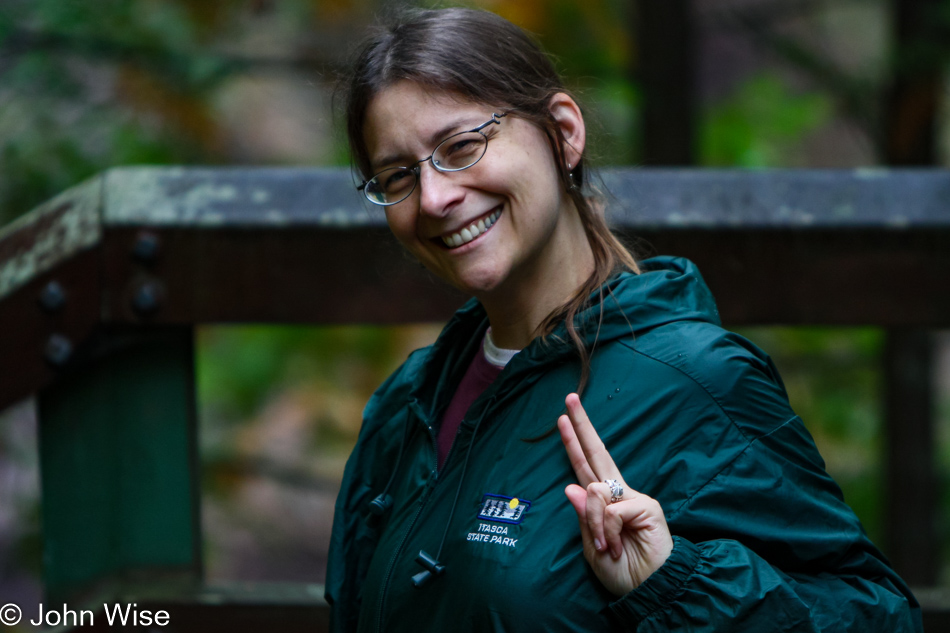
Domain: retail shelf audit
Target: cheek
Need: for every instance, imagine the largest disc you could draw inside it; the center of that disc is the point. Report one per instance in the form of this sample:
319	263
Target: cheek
536	190
531	171
401	223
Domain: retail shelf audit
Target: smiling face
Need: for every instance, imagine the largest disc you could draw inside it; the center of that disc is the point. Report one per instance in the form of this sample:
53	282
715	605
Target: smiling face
497	229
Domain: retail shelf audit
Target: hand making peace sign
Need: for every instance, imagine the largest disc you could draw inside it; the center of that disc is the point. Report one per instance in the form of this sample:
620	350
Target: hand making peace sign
624	541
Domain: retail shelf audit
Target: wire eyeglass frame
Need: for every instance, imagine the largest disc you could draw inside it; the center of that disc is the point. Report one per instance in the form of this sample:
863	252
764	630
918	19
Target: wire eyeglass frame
416	169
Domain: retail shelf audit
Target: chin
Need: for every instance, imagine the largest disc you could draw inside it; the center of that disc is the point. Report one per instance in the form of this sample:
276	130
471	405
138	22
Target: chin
479	283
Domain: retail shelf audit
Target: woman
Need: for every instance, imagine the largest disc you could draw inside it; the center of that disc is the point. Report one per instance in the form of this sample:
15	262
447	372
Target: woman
695	500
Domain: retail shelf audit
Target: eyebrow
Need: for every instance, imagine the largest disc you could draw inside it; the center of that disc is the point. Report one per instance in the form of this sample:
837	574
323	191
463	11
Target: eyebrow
436	137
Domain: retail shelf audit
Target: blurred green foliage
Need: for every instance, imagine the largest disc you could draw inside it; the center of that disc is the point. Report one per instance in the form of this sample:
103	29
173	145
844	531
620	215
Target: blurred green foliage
240	367
761	125
833	380
91	85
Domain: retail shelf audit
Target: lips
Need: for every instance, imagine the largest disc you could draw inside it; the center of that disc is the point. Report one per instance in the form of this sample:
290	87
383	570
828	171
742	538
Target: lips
472	231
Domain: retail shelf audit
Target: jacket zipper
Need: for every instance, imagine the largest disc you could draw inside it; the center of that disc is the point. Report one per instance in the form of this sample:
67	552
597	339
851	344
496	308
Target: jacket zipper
412	523
405	535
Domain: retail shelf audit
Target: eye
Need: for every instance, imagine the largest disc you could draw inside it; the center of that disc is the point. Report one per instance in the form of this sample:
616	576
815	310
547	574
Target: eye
396	180
461	146
460	151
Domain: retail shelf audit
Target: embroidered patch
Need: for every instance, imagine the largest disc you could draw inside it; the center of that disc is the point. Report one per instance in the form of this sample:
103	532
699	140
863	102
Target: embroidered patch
502	509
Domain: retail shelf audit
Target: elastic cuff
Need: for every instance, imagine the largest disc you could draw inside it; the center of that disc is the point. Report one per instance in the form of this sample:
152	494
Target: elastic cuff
661	588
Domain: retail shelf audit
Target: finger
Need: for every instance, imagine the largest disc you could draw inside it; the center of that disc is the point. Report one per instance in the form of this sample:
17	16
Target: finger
578	498
575	453
598	498
600	461
638	512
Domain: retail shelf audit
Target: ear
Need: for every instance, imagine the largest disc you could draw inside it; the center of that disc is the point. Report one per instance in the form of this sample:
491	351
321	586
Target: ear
569	119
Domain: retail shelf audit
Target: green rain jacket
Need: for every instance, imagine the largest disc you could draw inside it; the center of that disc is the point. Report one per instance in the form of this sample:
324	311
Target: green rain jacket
694	416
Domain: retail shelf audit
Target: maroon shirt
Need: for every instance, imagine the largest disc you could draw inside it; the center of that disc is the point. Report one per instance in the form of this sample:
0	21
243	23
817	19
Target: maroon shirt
479	375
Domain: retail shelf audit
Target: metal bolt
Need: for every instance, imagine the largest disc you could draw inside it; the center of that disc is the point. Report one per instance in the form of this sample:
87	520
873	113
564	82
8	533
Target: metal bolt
58	350
52	297
147	298
147	245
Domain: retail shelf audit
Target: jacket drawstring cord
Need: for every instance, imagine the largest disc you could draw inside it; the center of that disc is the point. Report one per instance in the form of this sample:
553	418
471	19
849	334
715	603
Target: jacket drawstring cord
383	501
432	565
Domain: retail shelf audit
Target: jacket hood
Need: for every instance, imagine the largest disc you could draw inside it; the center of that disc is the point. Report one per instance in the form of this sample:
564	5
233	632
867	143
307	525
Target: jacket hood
667	289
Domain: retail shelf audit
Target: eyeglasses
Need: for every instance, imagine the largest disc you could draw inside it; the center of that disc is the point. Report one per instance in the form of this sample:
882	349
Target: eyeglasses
455	153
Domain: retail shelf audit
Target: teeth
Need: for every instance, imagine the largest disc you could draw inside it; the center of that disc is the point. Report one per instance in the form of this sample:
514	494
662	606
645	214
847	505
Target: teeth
469	233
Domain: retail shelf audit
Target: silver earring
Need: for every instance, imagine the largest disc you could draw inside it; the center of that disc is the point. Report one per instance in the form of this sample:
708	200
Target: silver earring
570	177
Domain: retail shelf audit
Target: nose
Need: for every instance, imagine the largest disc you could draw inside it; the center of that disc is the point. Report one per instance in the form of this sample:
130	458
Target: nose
440	191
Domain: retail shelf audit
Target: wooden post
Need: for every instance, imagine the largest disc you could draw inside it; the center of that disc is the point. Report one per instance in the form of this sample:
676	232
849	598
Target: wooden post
910	513
665	67
909	139
913	99
118	463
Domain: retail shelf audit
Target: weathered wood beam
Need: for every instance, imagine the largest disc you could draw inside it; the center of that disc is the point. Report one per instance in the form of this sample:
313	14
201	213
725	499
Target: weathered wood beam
174	246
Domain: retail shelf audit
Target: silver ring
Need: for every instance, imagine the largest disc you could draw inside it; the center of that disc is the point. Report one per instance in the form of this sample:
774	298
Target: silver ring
616	490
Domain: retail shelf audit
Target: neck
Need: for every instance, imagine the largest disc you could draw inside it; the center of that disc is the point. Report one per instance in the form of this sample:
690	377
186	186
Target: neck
516	311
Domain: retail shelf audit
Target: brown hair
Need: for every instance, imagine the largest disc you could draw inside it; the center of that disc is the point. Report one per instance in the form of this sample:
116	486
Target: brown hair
486	59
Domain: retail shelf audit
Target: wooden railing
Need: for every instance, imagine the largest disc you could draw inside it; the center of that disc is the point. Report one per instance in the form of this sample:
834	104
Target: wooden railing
101	289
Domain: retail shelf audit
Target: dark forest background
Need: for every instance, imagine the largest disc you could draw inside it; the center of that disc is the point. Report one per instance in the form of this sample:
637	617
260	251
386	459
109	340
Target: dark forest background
85	86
